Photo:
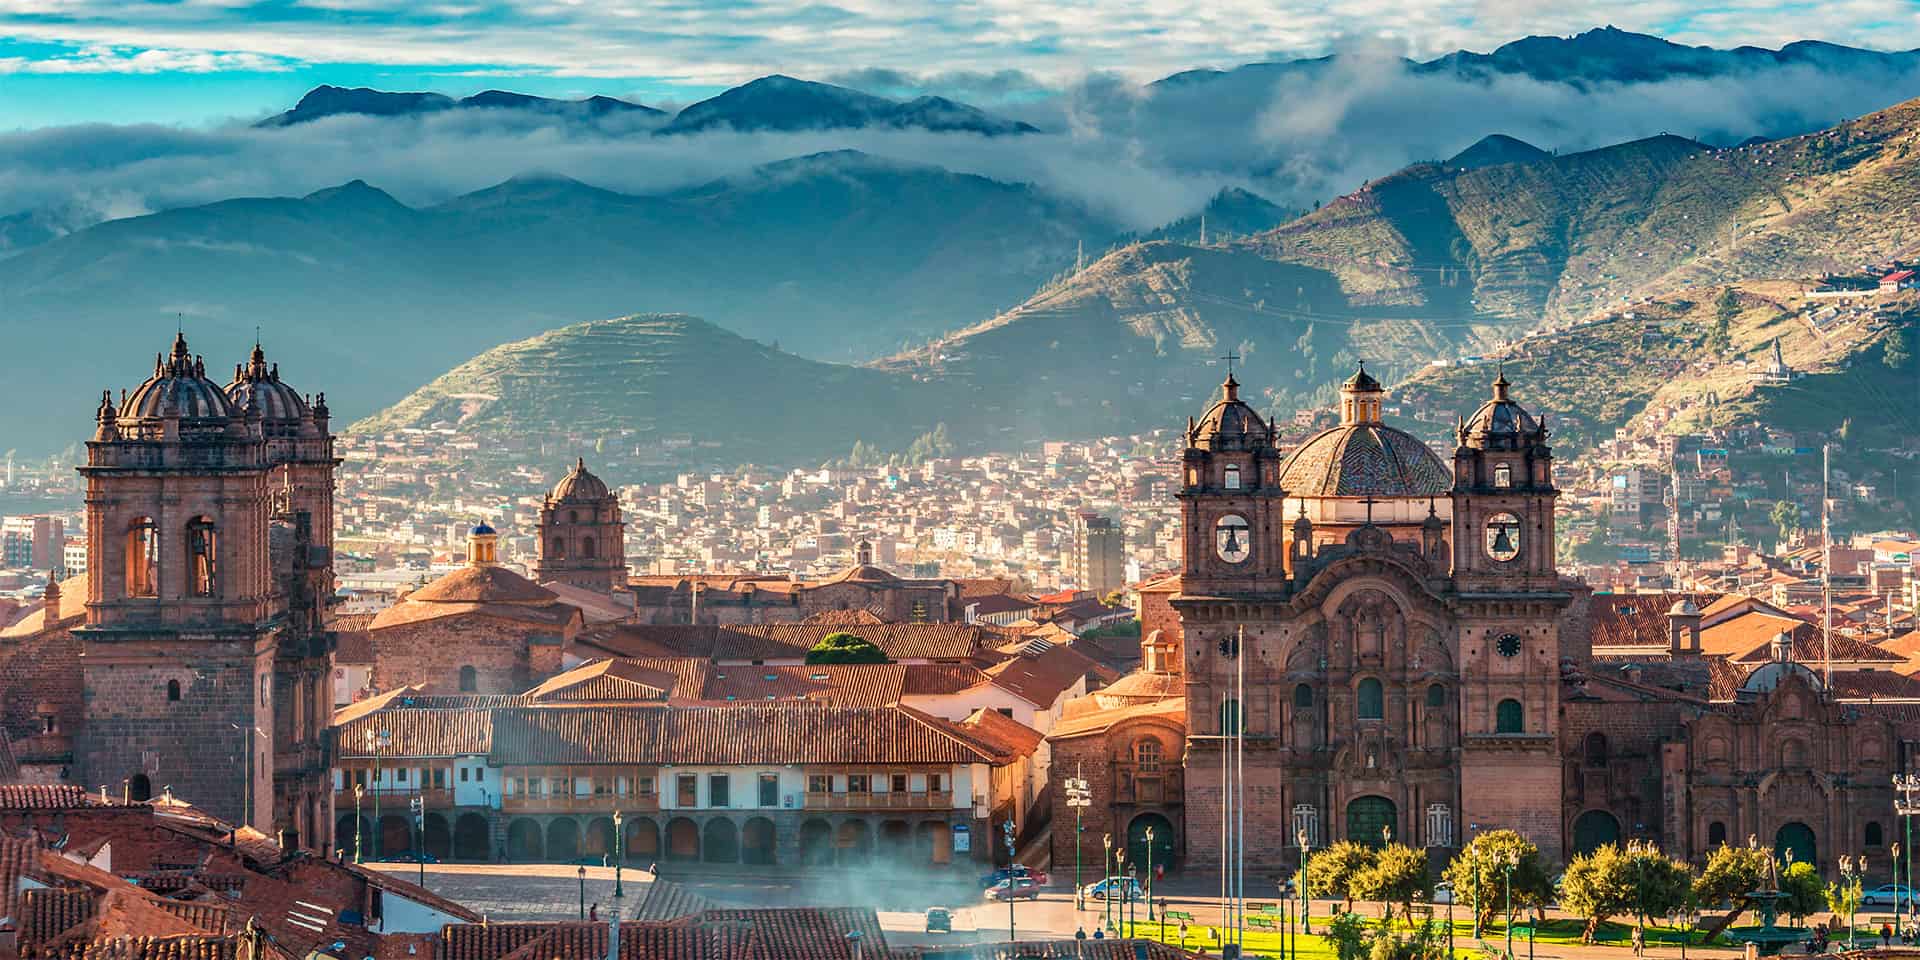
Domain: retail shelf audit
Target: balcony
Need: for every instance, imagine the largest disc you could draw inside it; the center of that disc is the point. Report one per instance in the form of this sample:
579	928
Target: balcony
891	800
578	803
396	796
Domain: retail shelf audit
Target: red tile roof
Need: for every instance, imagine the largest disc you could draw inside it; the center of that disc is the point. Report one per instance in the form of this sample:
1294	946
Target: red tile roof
40	796
725	735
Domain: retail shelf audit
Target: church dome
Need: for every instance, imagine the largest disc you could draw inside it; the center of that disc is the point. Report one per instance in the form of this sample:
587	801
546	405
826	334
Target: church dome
1363	457
579	484
1230	424
260	383
178	387
1501	415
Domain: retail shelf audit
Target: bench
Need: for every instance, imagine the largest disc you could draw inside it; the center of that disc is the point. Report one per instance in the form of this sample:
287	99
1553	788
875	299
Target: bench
1265	923
1263	907
1177	915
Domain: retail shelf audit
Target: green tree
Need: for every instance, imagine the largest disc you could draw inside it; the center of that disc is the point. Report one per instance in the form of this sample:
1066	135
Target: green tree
1348	934
1786	518
845	648
1725	311
1486	888
1637	880
1397	875
1730	874
1843	898
1898	350
1333	871
1804	895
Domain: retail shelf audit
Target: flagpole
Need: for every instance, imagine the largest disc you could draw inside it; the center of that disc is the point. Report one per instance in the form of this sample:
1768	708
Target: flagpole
1826	569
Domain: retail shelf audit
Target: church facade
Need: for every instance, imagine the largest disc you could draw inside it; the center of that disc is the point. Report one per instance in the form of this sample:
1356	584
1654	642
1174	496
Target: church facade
1368	642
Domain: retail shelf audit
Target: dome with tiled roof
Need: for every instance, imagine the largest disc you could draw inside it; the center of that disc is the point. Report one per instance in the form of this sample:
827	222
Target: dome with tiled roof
1230	424
1363	457
178	388
579	485
483	584
1141	686
277	402
1501	419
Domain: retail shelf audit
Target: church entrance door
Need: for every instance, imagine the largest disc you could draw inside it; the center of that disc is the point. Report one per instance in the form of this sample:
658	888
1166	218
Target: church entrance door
1798	838
1593	830
1367	817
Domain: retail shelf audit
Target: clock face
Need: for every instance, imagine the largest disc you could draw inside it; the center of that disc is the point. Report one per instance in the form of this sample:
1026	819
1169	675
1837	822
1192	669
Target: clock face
1503	536
1508	645
1233	539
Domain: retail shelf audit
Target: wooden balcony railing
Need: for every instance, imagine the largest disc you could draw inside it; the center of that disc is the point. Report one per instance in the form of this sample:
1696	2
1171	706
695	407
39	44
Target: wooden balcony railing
892	800
395	795
574	803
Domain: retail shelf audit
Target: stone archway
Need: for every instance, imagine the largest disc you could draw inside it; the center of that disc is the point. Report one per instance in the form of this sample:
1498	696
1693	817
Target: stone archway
396	834
438	837
816	843
1162	852
720	841
525	841
470	841
683	840
759	842
563	840
853	842
598	840
1365	818
1796	838
1593	830
643	840
896	841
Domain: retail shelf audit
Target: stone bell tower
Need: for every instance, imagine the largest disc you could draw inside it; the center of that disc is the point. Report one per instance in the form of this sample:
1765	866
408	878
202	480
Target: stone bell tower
181	624
582	535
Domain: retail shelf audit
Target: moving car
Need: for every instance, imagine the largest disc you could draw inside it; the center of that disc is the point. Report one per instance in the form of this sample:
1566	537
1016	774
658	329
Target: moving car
939	920
1887	895
1021	871
1016	888
1123	888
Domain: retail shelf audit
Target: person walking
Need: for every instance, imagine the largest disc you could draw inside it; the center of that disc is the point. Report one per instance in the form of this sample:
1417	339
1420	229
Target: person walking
1639	942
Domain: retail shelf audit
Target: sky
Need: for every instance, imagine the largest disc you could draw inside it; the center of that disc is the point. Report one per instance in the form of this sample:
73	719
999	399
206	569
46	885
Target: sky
208	62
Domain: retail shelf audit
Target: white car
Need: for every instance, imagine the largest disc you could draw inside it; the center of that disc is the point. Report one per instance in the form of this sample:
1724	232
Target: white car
1887	895
1442	892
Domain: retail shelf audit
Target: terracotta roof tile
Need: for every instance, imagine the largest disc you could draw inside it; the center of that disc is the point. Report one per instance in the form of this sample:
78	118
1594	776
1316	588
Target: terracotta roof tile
40	796
843	685
933	679
791	641
199	947
47	912
418	733
725	735
482	584
1012	737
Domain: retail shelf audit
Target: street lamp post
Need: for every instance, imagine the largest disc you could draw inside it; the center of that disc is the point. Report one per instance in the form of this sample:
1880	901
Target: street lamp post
359	822
1386	838
1007	830
1149	874
1508	861
419	805
1126	892
619	853
1133	912
1306	912
1851	871
583	892
1474	848
1106	880
1452	895
1906	806
1079	798
375	740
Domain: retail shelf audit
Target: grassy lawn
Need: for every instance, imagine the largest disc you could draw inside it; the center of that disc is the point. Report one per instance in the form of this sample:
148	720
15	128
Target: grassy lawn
1562	932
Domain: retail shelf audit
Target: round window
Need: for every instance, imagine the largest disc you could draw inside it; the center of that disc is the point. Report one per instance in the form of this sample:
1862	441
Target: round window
1503	537
1508	645
1232	538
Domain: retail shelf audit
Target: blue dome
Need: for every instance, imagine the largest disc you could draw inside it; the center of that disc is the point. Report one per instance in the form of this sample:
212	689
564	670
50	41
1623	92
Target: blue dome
481	529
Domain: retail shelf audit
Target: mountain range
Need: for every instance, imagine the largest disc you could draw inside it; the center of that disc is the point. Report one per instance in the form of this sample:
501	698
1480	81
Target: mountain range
331	101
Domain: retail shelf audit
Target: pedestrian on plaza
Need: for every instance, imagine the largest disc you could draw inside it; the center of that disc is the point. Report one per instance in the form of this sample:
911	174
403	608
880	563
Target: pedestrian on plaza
1886	934
593	913
653	869
1099	933
1183	933
1639	942
1080	934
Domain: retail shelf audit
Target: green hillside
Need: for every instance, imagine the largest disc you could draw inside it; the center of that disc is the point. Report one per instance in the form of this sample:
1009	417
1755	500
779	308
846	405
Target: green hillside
650	379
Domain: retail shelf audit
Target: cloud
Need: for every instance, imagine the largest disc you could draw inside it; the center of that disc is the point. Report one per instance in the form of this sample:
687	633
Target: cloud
109	59
1141	156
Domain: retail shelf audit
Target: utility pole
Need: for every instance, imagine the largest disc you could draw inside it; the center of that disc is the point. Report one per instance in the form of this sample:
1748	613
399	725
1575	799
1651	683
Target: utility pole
1006	828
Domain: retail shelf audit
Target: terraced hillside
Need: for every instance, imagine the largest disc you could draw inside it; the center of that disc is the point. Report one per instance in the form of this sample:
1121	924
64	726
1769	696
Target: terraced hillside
649	379
1564	237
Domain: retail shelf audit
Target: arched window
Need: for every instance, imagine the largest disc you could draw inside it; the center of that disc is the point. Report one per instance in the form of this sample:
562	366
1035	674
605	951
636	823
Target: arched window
1716	834
469	679
557	550
586	548
1875	836
1508	718
202	557
1302	696
1230	719
573	516
173	691
1371	700
143	558
1596	749
1436	696
1232	477
1146	754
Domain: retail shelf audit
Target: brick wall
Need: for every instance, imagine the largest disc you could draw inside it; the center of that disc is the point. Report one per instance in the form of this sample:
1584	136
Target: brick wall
431	652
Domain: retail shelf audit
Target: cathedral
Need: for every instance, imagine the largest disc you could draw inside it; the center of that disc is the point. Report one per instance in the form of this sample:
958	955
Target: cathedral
1379	642
198	659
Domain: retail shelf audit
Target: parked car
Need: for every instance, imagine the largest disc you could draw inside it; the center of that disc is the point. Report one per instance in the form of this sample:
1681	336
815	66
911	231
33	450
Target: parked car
1021	871
1442	892
410	856
939	920
1887	895
1122	888
1016	888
